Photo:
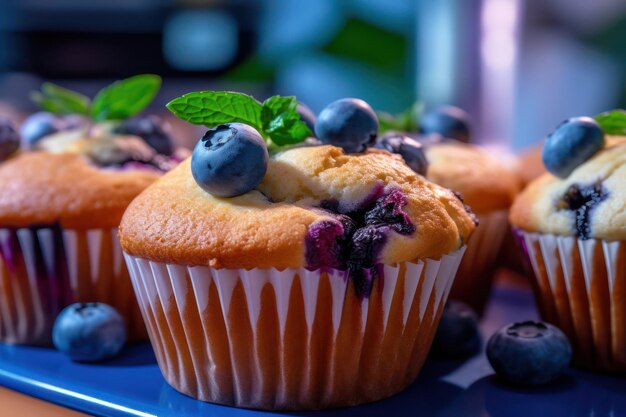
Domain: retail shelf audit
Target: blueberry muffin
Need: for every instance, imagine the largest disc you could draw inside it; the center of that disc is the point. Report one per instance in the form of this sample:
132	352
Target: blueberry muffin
62	197
487	182
302	279
571	225
488	186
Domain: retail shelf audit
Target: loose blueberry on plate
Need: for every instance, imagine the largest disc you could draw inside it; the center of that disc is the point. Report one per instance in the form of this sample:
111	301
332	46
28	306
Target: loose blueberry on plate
306	115
9	139
38	125
411	150
229	160
458	334
529	352
150	129
89	332
448	121
349	123
573	142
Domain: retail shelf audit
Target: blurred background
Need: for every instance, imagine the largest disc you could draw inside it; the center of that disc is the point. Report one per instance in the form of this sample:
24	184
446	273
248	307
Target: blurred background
518	67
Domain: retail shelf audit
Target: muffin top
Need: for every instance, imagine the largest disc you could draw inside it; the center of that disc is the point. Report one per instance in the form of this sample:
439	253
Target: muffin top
315	207
485	183
589	202
80	178
40	188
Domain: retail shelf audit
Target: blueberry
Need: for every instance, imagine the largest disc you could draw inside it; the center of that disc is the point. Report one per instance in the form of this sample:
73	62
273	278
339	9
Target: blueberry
9	139
151	130
89	332
411	150
230	160
38	125
529	352
306	115
458	334
349	123
573	142
448	121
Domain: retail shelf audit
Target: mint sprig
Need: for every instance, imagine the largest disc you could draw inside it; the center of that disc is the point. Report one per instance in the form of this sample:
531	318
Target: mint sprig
212	108
276	118
125	98
407	121
59	100
117	101
613	122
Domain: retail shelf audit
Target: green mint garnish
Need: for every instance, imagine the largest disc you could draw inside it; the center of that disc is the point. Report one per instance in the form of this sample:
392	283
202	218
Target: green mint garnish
407	121
613	122
59	100
118	101
281	122
212	108
276	118
125	98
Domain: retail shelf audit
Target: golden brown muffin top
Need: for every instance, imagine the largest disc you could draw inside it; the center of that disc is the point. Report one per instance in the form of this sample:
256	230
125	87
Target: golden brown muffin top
590	202
39	188
175	221
485	182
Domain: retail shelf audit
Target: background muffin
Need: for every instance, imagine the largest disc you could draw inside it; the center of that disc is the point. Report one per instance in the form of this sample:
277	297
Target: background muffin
486	179
61	201
572	227
488	187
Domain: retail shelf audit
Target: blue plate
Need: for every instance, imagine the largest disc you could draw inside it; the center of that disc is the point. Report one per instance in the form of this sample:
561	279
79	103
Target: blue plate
132	385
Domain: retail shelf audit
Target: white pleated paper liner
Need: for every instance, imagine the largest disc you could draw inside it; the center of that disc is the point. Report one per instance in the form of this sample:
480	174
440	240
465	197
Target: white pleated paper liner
44	269
581	287
472	284
291	339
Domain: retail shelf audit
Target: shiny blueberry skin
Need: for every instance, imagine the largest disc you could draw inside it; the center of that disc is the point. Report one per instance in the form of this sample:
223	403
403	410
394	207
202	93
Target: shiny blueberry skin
530	353
349	123
307	115
458	334
38	125
89	332
573	142
411	150
9	139
229	160
448	121
150	129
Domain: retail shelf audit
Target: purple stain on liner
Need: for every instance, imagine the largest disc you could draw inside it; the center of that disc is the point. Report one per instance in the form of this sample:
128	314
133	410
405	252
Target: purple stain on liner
52	280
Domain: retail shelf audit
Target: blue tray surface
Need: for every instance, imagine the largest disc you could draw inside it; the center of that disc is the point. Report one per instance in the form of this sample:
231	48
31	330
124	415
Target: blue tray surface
131	385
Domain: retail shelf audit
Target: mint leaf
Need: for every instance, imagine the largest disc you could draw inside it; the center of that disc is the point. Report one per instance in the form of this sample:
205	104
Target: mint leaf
613	122
407	121
281	121
59	100
276	119
212	108
125	98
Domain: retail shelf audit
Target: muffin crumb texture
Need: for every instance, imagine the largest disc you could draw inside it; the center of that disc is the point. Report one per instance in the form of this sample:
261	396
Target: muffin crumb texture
316	207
